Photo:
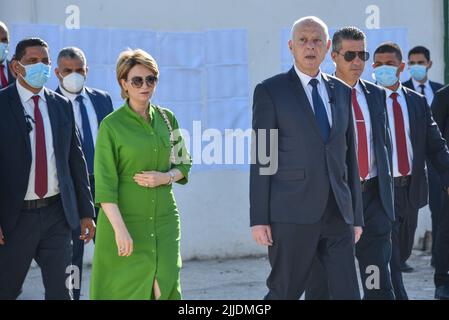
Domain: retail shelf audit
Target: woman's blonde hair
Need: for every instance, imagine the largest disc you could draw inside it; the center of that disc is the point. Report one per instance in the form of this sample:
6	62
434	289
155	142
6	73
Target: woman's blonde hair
128	59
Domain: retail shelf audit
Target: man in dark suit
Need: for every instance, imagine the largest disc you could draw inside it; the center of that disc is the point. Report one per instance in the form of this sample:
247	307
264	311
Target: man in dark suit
440	110
419	64
44	188
6	76
308	200
415	138
90	106
373	250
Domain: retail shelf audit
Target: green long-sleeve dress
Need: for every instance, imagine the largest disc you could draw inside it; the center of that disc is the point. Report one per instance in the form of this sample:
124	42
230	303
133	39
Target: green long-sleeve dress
126	145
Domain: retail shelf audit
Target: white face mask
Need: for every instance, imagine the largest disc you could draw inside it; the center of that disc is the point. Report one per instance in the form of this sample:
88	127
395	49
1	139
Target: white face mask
73	82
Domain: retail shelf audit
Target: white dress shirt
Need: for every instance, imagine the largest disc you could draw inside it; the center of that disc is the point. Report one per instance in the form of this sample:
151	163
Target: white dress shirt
428	92
28	103
361	99
93	121
305	79
403	103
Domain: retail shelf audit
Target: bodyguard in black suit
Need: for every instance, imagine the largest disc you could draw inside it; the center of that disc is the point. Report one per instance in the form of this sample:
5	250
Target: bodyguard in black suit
419	64
415	138
90	107
440	110
44	189
306	200
373	250
6	76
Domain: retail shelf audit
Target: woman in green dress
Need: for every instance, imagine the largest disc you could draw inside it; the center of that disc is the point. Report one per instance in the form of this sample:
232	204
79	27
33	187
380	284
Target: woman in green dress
139	154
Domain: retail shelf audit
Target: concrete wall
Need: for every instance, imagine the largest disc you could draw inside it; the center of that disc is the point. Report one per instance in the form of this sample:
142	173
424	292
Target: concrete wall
215	205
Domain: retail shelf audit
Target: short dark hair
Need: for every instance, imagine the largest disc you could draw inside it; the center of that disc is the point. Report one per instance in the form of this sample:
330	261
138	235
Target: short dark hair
72	53
26	43
418	50
389	47
346	33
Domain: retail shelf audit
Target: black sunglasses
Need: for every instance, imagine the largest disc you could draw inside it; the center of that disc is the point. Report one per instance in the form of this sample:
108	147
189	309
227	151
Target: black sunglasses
137	82
350	55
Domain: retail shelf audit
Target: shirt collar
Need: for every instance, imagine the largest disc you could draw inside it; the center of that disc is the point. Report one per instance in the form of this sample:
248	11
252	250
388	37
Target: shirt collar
399	91
25	94
72	96
358	88
305	79
416	84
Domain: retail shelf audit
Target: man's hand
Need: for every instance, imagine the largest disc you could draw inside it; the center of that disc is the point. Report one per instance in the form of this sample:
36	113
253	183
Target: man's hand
2	238
262	235
357	233
87	223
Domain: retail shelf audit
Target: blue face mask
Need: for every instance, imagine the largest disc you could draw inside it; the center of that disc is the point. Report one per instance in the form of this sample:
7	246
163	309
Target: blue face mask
386	75
36	74
3	51
418	72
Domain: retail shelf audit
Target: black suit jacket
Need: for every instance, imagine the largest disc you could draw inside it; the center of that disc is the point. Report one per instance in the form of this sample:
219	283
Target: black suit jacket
100	100
375	97
11	77
440	111
308	168
15	159
427	143
434	85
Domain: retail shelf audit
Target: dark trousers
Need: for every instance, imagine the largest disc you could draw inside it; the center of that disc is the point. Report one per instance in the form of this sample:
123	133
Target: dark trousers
436	199
43	235
78	247
295	246
441	257
406	216
373	252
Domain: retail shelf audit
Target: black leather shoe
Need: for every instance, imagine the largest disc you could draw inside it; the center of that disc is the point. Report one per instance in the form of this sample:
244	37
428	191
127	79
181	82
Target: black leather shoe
406	268
442	293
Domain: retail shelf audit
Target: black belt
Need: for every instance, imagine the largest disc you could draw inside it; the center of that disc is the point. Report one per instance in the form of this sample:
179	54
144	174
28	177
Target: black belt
402	181
40	203
369	184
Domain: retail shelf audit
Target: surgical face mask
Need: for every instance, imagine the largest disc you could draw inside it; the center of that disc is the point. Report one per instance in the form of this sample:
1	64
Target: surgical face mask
418	72
386	75
73	82
36	74
3	51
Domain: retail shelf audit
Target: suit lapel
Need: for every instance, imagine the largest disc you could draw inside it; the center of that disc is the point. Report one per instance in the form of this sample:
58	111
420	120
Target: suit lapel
53	114
302	100
96	103
411	114
19	113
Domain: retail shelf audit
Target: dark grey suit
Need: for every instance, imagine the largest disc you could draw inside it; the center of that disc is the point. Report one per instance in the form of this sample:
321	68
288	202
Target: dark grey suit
374	247
314	198
436	192
43	234
427	144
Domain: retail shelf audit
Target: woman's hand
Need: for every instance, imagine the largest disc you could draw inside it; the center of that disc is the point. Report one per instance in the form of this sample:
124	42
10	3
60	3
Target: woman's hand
124	242
151	179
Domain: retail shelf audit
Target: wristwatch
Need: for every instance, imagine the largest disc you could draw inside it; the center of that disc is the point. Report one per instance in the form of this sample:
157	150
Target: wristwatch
172	177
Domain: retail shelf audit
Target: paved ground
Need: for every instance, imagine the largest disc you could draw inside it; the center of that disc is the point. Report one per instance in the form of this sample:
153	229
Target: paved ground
239	279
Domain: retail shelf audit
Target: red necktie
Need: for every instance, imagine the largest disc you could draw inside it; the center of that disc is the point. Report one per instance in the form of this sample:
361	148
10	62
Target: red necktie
4	81
401	142
362	150
41	177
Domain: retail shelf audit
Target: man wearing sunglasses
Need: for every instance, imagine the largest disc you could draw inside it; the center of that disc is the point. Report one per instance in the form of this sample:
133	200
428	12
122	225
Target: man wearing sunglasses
415	139
90	106
373	250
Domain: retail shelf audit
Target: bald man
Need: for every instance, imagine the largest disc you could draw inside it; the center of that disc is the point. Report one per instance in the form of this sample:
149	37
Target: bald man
312	204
